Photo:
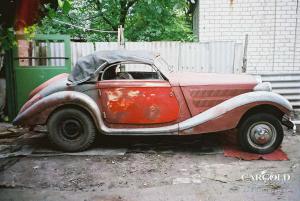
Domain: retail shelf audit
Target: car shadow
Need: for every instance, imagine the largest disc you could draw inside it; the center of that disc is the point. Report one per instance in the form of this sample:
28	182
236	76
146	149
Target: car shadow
210	143
162	144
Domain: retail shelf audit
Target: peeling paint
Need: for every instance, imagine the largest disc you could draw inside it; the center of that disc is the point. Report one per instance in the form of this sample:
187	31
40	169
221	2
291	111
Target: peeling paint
133	93
114	95
139	105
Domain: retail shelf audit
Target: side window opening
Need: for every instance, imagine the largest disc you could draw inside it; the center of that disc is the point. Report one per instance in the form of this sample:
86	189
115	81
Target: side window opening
131	71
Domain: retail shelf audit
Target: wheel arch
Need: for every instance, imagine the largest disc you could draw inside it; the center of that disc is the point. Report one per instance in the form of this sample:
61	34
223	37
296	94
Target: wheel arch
74	106
39	112
264	108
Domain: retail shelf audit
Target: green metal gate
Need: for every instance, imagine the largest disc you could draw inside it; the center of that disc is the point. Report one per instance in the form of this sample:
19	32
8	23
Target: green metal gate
37	60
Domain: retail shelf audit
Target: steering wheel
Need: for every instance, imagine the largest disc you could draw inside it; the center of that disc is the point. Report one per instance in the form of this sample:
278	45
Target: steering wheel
125	76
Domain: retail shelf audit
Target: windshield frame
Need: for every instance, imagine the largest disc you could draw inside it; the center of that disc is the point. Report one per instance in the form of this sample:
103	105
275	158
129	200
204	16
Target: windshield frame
163	66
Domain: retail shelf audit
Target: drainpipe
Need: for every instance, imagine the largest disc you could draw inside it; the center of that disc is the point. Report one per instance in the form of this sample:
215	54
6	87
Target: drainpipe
244	66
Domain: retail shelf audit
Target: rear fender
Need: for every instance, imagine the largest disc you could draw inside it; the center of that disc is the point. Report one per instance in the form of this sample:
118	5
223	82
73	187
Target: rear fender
39	112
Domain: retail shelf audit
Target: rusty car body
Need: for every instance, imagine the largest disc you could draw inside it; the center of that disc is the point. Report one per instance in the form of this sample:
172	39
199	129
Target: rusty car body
111	93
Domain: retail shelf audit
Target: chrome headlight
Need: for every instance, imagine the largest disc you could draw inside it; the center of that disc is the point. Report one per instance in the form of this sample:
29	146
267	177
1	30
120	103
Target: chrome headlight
258	78
264	86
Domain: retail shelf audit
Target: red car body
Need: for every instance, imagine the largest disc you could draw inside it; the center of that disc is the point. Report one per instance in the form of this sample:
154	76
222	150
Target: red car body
176	104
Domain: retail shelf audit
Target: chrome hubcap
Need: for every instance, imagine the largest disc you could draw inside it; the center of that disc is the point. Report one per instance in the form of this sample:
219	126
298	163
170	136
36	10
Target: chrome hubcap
262	135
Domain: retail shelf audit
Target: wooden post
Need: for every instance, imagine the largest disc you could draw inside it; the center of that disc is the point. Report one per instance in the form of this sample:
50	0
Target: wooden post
121	41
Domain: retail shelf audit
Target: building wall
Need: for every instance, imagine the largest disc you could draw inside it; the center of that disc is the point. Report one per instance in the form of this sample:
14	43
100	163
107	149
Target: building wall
273	27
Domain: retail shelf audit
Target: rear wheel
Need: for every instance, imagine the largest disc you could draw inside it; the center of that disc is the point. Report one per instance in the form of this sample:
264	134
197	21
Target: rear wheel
71	129
260	133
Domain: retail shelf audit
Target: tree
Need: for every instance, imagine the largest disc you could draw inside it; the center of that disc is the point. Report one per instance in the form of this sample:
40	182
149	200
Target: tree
143	20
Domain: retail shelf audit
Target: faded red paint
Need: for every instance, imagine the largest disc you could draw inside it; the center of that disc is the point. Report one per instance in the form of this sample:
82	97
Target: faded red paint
31	101
183	114
136	102
47	83
201	98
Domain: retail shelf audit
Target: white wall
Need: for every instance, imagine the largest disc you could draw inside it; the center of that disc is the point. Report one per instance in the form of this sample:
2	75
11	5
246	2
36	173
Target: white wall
273	27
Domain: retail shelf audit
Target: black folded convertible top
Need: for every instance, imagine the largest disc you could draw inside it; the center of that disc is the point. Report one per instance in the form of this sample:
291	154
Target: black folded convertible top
87	67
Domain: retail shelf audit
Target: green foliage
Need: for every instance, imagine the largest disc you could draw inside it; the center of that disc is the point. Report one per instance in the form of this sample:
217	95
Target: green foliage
7	38
30	31
143	20
64	5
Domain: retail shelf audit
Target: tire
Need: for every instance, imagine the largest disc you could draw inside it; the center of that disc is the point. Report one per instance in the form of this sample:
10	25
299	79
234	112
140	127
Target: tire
71	129
260	133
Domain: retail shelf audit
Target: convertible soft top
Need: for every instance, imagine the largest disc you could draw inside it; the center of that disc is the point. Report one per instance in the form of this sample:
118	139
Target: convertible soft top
89	66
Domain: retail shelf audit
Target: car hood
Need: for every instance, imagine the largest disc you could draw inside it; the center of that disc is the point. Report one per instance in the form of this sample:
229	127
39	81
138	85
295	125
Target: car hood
193	79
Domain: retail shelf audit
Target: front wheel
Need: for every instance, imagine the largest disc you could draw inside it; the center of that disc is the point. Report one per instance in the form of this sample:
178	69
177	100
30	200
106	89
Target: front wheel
260	133
71	129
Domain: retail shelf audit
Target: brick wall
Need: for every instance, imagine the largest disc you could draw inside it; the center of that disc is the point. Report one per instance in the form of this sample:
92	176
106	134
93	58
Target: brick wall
273	27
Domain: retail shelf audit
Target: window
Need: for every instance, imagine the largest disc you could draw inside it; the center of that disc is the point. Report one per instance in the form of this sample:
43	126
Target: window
131	71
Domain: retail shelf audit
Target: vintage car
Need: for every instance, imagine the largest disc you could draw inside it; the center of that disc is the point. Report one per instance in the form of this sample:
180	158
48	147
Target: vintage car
125	92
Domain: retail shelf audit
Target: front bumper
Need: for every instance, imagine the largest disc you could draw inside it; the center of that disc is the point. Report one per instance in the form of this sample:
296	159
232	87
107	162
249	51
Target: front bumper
286	121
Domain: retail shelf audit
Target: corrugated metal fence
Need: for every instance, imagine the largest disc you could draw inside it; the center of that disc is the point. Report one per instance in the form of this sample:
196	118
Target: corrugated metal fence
286	84
220	57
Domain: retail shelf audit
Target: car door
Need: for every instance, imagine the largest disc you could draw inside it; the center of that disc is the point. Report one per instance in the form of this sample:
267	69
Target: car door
136	94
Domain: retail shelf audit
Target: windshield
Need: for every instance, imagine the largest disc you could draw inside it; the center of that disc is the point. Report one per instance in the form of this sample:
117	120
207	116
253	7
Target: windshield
162	65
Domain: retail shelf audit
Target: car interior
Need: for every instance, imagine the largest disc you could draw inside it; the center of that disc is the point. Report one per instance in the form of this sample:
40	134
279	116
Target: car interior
130	71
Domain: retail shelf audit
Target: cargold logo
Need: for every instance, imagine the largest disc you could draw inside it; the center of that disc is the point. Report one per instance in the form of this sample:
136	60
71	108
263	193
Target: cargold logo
266	176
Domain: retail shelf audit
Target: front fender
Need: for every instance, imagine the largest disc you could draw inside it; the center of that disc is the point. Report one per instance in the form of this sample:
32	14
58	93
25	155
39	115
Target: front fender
39	112
259	97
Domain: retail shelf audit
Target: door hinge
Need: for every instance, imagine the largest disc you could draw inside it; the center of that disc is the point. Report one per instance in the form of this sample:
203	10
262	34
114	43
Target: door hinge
104	115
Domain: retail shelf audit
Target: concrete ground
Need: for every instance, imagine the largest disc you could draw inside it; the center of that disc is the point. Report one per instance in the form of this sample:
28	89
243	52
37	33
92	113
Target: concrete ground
151	168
